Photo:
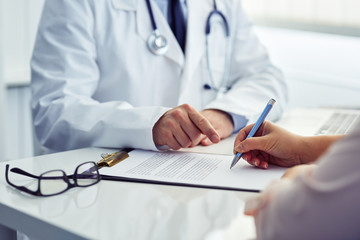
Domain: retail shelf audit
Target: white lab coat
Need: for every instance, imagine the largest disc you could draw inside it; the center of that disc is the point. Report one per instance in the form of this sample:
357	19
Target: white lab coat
95	82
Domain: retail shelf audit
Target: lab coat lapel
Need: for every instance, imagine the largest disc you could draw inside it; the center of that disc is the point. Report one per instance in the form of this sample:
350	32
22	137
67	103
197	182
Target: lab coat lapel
198	12
144	29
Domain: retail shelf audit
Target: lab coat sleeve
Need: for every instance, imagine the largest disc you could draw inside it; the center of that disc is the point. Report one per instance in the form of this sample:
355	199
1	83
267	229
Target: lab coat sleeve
322	205
255	80
64	78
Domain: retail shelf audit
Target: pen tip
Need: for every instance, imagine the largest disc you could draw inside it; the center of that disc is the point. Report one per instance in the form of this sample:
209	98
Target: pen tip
236	159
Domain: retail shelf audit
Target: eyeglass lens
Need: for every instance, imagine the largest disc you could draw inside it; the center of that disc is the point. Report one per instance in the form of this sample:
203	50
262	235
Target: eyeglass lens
86	174
52	182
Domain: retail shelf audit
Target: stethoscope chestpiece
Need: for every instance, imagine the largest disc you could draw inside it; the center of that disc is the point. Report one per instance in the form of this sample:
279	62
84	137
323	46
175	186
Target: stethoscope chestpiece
157	43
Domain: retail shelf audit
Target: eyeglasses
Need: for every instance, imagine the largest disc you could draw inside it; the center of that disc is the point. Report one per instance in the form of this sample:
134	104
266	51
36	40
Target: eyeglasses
55	182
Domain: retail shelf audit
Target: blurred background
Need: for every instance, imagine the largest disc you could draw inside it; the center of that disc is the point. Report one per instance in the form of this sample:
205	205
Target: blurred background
315	42
330	16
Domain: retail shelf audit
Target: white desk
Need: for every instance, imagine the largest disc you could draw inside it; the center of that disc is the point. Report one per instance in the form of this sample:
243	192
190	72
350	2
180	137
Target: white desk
120	210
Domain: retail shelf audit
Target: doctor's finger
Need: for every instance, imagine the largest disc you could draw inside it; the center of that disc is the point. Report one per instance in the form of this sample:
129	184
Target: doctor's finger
204	126
206	142
175	137
184	125
182	138
192	132
173	143
163	133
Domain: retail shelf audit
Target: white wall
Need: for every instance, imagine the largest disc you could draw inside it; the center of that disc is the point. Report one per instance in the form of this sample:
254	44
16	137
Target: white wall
19	133
336	13
322	69
2	115
2	121
21	18
2	93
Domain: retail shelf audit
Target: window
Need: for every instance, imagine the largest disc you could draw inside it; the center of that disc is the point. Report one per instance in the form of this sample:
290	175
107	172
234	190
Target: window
335	16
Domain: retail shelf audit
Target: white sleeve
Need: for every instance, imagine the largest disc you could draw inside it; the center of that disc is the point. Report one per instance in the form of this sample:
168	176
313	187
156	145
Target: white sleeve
323	205
254	78
64	78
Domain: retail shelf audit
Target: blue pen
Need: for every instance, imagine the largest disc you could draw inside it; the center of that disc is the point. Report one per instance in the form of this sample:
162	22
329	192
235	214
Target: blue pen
255	127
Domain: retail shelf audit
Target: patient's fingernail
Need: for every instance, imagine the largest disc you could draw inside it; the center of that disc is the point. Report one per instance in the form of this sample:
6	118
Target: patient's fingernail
215	138
264	165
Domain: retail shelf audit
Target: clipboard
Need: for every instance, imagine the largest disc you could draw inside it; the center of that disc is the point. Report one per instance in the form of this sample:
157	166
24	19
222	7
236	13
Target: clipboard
148	181
197	170
111	159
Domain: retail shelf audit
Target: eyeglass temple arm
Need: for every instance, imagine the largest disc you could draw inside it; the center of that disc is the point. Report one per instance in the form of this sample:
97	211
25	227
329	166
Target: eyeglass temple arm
92	169
22	188
22	172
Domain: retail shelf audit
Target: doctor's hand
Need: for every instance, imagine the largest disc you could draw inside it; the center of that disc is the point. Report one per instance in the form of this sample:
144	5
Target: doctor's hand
183	127
270	145
221	121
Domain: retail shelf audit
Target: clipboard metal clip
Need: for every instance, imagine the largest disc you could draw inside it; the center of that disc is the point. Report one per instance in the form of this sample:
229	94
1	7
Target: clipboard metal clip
110	159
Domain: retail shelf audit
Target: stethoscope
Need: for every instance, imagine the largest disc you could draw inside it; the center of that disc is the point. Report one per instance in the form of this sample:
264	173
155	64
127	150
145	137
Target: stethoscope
156	42
158	45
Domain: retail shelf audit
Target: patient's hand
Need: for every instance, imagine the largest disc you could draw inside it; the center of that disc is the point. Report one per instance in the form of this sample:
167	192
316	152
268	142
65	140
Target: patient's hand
270	145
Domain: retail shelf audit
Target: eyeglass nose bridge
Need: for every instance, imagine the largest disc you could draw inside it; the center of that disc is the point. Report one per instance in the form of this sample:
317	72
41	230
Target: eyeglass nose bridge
72	182
87	171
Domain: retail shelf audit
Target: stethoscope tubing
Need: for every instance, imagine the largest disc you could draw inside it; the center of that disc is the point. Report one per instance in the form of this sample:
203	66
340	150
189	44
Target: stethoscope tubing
152	19
226	25
156	42
222	88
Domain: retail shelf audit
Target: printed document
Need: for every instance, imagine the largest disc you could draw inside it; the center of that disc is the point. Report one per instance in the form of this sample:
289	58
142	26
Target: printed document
193	169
